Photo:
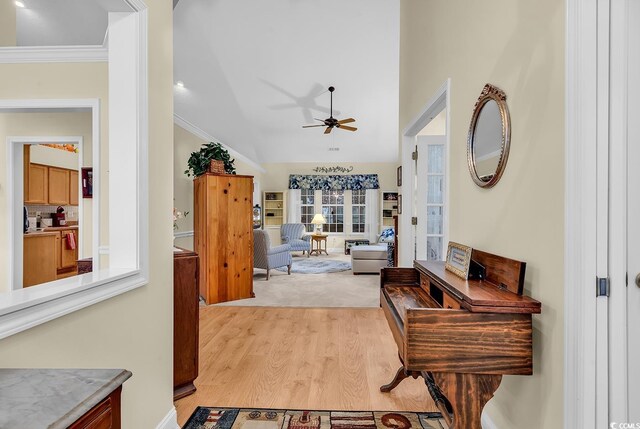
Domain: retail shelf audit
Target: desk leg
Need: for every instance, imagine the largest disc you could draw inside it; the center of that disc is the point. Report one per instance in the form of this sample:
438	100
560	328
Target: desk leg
400	375
467	394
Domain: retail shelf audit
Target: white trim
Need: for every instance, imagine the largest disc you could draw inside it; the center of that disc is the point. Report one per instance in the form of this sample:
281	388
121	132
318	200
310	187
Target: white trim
170	421
439	101
580	216
103	250
183	234
195	130
53	54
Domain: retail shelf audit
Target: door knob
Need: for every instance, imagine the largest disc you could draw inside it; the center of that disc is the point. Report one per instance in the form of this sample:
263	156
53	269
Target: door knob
638	280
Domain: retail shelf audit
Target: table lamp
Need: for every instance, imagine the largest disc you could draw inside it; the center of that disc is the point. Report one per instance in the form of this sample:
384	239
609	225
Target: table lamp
318	221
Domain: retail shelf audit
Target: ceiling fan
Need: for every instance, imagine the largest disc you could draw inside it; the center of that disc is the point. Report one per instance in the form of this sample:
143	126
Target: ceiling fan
332	122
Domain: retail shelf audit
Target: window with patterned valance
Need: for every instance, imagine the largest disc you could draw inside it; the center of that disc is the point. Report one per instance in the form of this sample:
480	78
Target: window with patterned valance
334	182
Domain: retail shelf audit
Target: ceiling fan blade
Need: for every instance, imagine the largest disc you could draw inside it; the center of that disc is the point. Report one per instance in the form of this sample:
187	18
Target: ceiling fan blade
328	130
346	121
321	120
345	127
312	126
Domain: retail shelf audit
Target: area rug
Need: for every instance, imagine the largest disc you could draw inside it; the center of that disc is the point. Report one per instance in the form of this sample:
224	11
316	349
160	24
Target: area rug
313	265
257	418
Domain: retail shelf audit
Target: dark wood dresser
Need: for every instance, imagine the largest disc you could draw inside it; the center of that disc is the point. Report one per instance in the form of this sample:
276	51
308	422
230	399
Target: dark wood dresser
186	309
460	335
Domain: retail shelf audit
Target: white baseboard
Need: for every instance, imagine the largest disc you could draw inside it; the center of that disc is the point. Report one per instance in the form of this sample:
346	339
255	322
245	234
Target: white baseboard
486	422
170	421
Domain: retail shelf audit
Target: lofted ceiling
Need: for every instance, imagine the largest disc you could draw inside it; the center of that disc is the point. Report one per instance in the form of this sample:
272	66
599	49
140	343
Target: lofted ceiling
255	71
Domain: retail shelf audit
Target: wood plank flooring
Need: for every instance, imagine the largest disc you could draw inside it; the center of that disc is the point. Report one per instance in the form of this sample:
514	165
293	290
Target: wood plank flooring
299	358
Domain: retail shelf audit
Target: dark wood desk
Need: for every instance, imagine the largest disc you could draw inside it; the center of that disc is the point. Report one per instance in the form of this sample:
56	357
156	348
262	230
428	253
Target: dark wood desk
460	335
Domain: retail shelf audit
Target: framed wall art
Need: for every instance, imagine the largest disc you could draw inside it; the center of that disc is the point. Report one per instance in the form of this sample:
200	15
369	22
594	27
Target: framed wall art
458	259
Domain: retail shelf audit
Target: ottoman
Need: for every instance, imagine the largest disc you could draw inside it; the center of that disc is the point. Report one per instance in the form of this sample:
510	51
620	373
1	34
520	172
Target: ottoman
368	259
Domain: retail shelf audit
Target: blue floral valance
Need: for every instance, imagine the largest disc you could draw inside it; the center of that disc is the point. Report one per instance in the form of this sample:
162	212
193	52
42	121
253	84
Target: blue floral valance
337	182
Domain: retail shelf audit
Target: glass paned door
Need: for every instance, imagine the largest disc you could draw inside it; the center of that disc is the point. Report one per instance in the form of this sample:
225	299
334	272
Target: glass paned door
430	198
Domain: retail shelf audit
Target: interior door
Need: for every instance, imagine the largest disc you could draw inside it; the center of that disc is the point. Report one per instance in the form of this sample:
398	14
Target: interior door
633	215
430	198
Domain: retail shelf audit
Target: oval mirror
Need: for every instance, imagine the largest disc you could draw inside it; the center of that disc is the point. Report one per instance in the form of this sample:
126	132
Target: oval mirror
489	136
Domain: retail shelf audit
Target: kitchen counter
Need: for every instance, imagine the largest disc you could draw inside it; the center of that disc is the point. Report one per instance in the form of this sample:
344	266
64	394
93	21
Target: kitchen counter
59	228
53	398
39	233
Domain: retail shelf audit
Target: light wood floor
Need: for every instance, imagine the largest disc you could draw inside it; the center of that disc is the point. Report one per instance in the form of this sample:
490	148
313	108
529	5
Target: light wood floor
299	358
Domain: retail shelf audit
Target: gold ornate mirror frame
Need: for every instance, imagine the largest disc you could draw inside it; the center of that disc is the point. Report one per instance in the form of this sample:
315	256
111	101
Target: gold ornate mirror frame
489	92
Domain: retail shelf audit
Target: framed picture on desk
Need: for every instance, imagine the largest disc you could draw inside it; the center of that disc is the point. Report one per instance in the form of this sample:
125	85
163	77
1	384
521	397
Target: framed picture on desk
458	259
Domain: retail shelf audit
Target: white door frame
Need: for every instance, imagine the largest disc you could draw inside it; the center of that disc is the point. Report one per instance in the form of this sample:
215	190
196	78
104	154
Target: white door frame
595	195
16	198
439	101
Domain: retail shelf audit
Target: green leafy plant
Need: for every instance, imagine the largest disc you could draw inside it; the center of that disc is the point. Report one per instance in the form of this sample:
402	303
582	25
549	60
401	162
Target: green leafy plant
198	162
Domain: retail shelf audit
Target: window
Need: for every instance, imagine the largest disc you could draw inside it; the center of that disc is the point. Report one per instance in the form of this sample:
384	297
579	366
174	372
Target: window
344	210
307	203
333	210
358	210
435	202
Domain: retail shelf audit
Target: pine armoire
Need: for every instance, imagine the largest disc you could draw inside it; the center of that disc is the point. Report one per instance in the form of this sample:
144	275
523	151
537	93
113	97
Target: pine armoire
223	236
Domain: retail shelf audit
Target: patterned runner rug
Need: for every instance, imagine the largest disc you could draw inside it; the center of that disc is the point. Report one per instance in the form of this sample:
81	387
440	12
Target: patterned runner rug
257	418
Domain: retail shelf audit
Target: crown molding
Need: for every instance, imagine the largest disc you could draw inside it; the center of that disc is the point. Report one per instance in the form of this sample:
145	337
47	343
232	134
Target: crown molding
53	54
195	130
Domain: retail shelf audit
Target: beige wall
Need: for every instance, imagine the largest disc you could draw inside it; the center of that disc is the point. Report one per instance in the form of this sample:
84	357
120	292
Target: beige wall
7	23
519	46
134	330
46	124
185	143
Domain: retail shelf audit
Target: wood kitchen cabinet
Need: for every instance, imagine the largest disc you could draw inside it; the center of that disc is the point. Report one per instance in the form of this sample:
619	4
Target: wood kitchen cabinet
58	186
74	184
37	185
39	258
66	258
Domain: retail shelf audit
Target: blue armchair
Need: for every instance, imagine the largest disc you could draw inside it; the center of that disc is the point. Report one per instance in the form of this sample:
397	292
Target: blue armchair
293	234
267	257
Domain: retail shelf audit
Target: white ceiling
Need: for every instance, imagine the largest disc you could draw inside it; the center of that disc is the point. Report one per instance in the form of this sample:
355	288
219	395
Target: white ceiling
255	71
65	22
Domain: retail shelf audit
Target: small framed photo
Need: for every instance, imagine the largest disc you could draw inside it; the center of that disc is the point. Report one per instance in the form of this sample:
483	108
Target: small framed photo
458	259
399	204
87	182
399	176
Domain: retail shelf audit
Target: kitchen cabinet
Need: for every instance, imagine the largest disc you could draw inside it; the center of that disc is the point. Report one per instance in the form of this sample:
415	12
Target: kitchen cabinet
49	185
65	258
58	186
74	184
37	185
39	258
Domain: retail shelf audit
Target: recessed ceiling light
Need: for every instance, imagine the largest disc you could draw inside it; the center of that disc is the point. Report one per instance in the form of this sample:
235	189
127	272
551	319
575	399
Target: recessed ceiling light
180	84
19	3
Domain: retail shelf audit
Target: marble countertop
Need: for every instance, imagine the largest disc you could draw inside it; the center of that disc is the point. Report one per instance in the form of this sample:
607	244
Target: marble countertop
53	398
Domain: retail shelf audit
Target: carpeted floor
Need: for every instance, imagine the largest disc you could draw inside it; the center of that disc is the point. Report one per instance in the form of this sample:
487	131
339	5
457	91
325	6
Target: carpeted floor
341	289
256	418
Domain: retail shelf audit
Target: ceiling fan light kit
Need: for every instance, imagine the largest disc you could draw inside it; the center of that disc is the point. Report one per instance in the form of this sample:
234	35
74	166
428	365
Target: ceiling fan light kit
332	122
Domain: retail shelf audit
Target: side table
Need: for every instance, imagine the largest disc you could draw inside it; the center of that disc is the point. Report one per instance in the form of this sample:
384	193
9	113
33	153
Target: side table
316	244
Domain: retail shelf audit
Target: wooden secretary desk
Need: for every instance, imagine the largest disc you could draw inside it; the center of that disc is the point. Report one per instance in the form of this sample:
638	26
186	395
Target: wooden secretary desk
460	335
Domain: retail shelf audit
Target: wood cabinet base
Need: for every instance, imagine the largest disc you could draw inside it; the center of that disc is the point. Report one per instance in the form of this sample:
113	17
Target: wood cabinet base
105	415
184	390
